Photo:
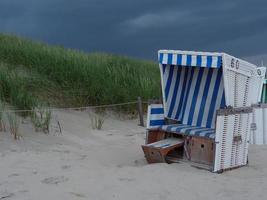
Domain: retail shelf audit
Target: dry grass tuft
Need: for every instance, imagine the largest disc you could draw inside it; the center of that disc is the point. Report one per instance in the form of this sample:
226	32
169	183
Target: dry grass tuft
97	120
41	119
13	121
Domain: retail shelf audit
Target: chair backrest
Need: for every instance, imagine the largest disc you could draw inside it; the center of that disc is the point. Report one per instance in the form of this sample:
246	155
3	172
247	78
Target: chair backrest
243	82
155	116
196	84
193	94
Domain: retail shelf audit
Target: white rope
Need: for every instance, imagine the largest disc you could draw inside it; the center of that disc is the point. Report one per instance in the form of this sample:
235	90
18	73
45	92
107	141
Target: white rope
74	108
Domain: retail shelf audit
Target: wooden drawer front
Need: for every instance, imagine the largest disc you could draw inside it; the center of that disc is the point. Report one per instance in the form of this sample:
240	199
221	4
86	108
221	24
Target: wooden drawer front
202	150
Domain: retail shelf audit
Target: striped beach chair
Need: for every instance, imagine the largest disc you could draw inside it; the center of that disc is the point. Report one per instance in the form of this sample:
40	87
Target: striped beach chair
259	130
264	92
207	96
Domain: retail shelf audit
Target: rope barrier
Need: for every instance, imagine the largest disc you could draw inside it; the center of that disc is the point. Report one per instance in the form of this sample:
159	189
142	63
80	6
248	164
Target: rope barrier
76	108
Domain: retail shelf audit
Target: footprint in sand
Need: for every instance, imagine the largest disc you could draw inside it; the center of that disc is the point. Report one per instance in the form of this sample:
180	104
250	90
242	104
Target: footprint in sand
140	162
78	194
23	191
129	135
13	175
61	151
55	180
127	179
65	167
82	157
5	195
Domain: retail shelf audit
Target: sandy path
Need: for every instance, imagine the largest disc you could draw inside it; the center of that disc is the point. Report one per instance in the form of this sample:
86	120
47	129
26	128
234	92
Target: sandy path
109	164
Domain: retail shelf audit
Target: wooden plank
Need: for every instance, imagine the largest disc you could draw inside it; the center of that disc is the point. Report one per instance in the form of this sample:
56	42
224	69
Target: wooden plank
155	135
140	111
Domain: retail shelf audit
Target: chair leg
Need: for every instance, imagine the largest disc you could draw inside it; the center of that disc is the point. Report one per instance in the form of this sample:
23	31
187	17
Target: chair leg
187	155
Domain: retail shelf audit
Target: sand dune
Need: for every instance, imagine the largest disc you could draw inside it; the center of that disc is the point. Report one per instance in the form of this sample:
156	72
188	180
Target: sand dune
82	163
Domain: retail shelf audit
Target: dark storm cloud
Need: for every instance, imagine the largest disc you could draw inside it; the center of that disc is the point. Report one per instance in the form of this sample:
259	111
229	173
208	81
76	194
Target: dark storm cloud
139	28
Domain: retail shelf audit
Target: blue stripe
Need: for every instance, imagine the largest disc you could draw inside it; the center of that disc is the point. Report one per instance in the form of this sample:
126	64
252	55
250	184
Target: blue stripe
214	97
187	131
169	127
187	92
209	61
164	145
173	126
178	112
169	81
156	111
204	97
195	95
175	91
179	59
178	129
219	62
212	136
160	57
164	68
199	60
223	101
198	132
208	134
188	60
157	122
169	61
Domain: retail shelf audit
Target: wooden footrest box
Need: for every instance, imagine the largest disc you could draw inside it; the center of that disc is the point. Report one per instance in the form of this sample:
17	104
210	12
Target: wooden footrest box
202	150
157	151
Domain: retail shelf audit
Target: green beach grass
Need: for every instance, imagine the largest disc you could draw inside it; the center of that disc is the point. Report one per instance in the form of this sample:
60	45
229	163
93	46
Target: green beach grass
32	72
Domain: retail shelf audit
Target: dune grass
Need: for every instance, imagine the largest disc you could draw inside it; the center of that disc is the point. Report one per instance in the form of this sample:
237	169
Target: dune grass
14	89
79	78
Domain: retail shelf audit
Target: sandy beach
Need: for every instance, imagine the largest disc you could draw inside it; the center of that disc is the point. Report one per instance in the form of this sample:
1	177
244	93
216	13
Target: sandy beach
81	163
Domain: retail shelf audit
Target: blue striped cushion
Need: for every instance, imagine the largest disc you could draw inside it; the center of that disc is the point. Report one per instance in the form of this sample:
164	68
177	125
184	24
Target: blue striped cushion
189	130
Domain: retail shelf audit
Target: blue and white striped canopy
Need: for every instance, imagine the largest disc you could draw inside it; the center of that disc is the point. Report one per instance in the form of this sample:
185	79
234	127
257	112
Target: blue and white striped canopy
190	59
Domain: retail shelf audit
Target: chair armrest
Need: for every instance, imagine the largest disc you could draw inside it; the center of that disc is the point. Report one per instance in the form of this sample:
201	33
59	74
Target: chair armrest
155	116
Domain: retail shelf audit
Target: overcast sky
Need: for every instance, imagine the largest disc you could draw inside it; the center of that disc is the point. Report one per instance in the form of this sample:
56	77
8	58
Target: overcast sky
139	28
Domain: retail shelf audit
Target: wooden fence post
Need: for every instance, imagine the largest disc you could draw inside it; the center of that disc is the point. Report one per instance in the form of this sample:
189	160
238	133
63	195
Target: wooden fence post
140	111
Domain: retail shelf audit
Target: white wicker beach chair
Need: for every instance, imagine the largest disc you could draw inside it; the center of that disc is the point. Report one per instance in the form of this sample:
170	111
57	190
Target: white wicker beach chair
207	97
